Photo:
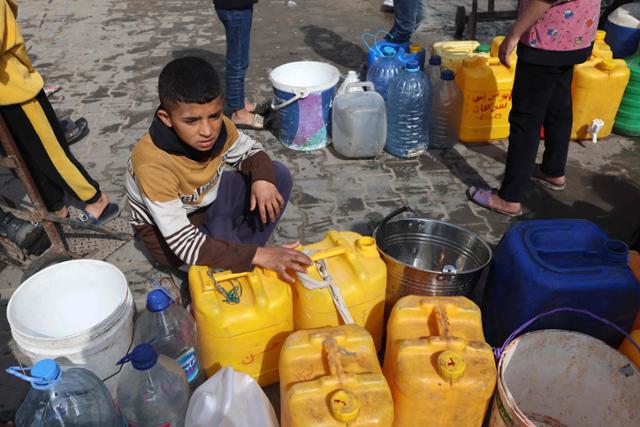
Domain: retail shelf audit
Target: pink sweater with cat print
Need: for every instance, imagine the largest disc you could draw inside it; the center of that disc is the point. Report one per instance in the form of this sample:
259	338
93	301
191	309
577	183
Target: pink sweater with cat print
567	25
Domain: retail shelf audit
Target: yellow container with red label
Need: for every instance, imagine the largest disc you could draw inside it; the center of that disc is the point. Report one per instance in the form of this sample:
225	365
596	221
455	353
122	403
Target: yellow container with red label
440	370
331	377
354	266
598	87
486	87
242	320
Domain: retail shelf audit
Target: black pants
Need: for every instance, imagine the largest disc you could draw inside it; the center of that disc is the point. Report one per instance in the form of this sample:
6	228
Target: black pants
40	139
541	95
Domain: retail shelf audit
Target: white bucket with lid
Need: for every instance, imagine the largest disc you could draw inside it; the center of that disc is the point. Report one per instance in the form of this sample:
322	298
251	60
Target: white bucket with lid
77	312
559	378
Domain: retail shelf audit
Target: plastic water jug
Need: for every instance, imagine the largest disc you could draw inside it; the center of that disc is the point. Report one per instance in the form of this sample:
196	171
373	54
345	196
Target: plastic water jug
408	113
64	397
332	377
453	52
359	124
545	264
623	30
495	50
242	319
383	71
628	117
445	112
152	390
435	69
353	264
414	52
375	51
486	87
172	332
439	369
598	87
351	77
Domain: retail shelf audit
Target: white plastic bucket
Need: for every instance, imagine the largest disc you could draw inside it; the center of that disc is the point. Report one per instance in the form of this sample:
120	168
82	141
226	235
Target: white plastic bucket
558	378
303	94
77	312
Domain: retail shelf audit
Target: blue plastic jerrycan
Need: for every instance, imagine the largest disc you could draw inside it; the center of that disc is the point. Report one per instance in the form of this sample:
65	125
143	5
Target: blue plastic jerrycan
541	265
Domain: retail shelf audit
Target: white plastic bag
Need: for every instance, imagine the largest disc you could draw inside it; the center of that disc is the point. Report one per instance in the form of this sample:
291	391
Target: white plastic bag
230	399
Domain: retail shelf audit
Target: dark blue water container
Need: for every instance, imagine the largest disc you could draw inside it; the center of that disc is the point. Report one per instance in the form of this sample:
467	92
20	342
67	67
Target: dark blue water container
623	30
375	51
545	264
415	52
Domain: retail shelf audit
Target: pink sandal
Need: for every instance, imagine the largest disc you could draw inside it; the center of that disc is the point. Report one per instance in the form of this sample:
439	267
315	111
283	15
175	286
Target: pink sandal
482	197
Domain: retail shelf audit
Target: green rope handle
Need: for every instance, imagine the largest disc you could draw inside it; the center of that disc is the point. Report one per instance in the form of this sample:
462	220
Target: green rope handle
230	296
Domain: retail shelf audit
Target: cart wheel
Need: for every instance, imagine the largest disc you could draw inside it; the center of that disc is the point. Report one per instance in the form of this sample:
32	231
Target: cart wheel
461	20
42	262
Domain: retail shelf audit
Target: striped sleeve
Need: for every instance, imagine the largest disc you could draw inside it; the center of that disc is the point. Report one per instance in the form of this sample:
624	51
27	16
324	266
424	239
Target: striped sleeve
248	156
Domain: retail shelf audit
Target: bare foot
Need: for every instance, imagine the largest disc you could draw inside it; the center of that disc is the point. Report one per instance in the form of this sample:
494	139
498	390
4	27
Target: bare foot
242	117
98	207
61	213
249	106
558	181
497	202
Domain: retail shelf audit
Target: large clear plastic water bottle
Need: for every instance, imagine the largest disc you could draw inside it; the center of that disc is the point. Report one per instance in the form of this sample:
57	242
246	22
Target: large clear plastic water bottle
152	389
384	70
172	331
359	122
445	112
64	397
408	113
435	65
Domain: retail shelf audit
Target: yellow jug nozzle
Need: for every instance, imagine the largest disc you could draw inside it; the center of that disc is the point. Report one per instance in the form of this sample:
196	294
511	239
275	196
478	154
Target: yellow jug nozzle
415	48
367	246
451	365
600	35
344	406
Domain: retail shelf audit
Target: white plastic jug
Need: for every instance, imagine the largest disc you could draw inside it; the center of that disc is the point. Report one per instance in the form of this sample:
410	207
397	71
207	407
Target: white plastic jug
351	77
359	122
230	399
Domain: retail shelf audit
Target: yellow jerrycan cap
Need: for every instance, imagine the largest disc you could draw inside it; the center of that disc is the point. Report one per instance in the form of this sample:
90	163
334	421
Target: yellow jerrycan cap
344	405
451	365
415	48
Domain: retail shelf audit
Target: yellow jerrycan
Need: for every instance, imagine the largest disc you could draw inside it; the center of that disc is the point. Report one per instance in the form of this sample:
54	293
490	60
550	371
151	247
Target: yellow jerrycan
353	266
242	320
440	370
629	349
598	87
495	49
486	87
453	52
600	48
331	377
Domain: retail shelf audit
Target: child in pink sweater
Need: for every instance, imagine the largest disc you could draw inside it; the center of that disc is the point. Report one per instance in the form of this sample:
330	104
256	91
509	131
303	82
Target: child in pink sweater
550	37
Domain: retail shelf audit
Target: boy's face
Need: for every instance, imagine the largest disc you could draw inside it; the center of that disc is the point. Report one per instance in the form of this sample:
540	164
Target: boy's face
197	125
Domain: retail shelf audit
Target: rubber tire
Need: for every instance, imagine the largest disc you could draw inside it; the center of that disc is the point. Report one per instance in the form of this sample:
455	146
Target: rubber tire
461	20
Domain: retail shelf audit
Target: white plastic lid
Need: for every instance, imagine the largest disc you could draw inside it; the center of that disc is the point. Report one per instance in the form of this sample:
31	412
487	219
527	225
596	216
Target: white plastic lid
626	16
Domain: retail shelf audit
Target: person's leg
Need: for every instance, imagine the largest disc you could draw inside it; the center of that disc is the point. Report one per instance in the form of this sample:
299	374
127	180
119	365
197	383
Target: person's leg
532	90
251	229
237	25
407	15
229	218
557	127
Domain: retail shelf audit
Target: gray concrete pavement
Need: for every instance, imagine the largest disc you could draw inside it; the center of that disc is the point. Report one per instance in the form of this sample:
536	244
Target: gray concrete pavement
107	55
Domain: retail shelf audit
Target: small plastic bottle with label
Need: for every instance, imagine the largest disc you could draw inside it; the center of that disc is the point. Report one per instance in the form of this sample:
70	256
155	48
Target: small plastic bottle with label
152	389
172	331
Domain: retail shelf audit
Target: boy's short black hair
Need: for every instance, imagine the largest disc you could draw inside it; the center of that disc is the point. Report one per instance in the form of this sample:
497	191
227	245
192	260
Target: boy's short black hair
190	80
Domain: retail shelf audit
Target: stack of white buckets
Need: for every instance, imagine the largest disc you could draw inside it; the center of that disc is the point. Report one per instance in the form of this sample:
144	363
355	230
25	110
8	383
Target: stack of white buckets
77	312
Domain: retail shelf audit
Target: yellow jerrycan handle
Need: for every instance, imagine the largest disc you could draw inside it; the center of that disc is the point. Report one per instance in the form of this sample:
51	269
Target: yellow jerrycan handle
343	403
342	248
254	281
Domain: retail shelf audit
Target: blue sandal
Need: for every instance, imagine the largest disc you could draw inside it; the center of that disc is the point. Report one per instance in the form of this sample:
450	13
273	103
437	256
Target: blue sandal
109	212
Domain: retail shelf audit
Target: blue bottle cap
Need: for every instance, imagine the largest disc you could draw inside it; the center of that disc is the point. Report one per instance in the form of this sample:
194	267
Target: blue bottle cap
412	65
158	300
447	75
142	357
388	51
45	371
435	60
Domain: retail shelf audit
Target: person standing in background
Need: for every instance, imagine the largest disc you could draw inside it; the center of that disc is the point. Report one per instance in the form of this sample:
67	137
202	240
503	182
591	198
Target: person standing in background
407	16
236	16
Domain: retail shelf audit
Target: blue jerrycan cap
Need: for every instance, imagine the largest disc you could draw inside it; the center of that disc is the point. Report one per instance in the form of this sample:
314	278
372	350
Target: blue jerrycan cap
412	65
388	51
44	374
447	75
435	60
143	357
158	300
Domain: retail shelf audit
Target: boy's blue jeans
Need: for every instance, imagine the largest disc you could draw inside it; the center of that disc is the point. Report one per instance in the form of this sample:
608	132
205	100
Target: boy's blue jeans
407	16
237	26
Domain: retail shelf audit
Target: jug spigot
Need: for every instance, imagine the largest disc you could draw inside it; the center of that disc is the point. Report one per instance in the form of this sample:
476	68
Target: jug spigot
594	128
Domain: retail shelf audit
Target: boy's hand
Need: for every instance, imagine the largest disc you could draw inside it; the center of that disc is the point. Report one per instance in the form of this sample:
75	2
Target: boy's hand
265	196
282	258
506	48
